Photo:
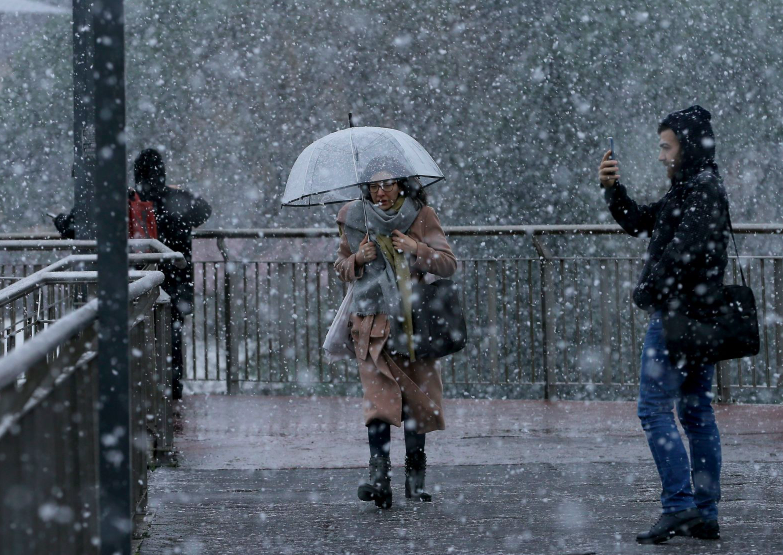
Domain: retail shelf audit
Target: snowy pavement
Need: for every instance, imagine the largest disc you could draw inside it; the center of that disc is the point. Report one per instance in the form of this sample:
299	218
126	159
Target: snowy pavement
279	475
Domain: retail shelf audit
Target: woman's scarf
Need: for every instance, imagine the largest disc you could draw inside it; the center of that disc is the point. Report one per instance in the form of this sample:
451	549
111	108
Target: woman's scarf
385	287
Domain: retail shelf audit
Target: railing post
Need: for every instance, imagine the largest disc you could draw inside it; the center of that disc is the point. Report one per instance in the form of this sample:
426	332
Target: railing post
548	317
231	379
163	377
111	199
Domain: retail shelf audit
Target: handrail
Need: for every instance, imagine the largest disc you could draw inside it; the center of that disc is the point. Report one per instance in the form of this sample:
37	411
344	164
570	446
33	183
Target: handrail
24	285
20	242
456	231
36	349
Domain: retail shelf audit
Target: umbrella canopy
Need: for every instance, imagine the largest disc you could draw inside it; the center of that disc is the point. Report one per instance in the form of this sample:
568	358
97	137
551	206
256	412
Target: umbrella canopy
328	170
29	6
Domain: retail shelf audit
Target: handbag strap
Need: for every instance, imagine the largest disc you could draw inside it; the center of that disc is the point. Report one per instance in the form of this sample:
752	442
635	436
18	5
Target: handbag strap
736	250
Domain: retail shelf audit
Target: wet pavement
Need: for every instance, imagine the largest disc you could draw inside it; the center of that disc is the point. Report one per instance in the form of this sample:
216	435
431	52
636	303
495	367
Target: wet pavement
279	475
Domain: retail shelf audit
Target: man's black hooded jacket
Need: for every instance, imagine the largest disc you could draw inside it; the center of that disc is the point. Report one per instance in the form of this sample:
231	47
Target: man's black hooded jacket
688	228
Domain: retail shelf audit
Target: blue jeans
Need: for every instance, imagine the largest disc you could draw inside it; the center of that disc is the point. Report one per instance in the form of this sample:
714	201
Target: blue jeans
661	386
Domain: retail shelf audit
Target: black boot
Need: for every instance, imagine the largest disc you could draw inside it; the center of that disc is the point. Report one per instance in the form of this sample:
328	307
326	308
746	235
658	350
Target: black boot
707	530
669	525
415	469
378	488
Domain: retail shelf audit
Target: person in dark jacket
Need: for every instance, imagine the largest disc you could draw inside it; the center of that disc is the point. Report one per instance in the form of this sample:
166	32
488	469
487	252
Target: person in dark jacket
177	212
685	264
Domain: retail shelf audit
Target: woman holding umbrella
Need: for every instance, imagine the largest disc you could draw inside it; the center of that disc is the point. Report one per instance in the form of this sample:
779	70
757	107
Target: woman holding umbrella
390	239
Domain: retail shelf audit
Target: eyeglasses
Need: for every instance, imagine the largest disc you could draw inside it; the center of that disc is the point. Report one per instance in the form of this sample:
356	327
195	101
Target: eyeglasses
387	186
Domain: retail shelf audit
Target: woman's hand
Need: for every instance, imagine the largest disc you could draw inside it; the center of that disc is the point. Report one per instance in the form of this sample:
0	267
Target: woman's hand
403	243
367	252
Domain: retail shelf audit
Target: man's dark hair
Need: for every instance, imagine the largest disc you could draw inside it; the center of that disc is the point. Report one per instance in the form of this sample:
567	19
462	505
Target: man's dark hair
697	140
149	168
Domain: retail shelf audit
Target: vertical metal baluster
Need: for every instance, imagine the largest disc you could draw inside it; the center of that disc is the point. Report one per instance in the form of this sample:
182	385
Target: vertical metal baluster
283	374
307	315
453	357
205	311
3	335
632	317
294	306
504	322
740	379
621	368
562	317
518	320
765	321
478	323
318	320
193	324
217	320
591	305
492	317
532	319
753	365
578	323
244	319
3	345
549	315
778	277
606	329
12	326
465	355
257	292
232	373
268	321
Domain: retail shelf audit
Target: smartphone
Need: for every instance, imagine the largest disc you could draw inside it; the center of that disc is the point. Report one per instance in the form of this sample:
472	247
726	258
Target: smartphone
611	148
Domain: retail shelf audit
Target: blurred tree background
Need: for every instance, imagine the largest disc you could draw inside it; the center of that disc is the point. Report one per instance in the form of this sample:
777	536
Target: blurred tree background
514	100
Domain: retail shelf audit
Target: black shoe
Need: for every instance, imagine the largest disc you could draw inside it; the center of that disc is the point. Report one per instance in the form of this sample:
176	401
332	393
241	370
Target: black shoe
707	530
669	525
415	469
378	488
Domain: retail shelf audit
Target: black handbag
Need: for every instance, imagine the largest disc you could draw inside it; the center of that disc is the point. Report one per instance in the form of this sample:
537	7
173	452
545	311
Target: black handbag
726	329
438	321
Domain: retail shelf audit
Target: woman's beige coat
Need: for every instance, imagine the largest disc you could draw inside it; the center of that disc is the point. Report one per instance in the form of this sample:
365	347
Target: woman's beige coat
392	383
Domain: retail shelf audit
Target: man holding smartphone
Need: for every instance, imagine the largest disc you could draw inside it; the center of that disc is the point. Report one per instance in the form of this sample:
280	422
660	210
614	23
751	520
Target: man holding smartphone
686	258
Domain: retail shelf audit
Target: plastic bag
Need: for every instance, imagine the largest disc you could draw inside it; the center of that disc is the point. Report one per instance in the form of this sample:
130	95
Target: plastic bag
338	344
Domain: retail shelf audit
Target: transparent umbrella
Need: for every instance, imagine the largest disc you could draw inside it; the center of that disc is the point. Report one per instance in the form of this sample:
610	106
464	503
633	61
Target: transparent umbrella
330	170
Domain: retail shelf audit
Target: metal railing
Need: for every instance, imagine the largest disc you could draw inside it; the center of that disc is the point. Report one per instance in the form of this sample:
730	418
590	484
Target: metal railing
49	443
541	326
24	313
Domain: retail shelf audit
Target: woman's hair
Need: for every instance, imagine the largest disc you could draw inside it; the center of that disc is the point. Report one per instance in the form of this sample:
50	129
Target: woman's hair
409	187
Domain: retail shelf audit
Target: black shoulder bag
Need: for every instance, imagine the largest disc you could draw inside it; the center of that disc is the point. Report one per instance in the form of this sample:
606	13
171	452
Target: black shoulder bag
726	329
438	321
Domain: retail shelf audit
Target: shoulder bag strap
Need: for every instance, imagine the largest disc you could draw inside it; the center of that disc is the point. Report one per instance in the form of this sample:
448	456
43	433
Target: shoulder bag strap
736	250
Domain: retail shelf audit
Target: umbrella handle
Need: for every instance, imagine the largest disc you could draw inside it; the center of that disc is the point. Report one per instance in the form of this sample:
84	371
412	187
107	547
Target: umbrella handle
366	223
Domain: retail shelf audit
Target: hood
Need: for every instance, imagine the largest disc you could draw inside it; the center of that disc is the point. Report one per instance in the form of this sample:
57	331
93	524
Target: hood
694	131
149	172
